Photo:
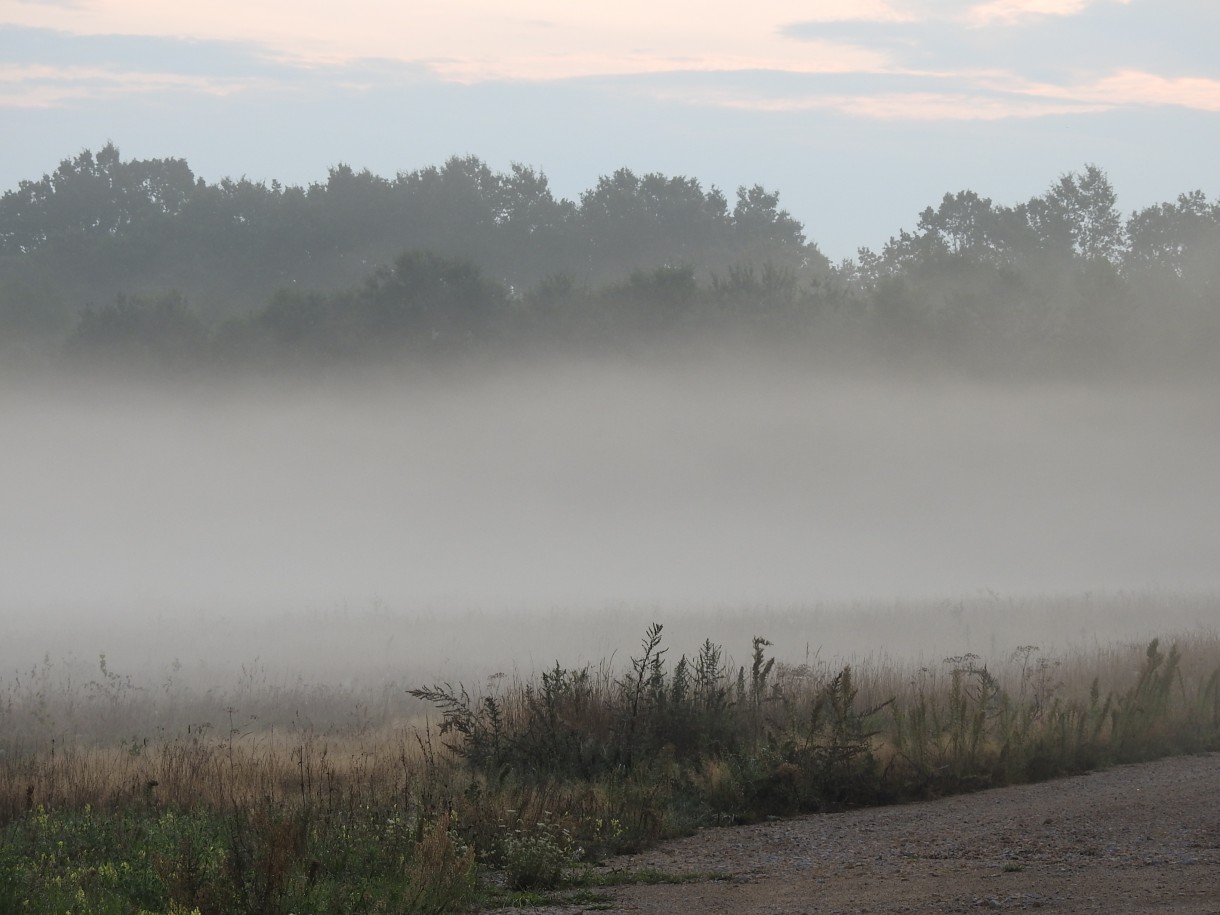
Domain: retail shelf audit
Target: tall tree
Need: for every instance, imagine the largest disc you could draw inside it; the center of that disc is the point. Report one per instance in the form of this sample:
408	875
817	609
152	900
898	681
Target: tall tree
1085	205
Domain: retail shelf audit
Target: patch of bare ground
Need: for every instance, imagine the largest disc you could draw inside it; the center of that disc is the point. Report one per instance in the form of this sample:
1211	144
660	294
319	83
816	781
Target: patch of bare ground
1137	838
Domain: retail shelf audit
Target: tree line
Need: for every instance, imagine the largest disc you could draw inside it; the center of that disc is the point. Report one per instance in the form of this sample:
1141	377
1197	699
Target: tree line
108	257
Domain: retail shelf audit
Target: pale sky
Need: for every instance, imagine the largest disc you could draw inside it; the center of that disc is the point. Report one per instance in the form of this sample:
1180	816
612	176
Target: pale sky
859	112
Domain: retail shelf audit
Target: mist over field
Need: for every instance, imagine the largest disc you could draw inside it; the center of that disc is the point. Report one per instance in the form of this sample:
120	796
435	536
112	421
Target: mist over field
448	422
218	523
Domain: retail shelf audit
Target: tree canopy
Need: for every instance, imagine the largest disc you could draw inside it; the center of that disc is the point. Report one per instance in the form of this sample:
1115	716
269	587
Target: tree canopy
141	256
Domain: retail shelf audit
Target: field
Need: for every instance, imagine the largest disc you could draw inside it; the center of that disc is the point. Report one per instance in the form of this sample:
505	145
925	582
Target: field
176	788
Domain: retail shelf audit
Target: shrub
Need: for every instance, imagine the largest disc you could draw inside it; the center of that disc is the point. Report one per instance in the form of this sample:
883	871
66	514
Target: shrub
535	860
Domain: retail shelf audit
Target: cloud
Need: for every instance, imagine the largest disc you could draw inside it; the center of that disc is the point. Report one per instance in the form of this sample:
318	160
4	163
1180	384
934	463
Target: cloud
43	68
1069	56
855	11
910	59
484	39
820	57
892	105
1012	12
133	52
44	86
1125	88
1173	37
978	95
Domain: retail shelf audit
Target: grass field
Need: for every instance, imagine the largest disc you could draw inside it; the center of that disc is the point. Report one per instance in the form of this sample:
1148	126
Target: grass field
159	793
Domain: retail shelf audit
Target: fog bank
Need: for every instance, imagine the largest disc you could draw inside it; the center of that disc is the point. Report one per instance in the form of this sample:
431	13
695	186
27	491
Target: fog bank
577	487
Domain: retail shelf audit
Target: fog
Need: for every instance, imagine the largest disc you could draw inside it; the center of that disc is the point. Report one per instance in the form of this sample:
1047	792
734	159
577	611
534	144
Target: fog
505	516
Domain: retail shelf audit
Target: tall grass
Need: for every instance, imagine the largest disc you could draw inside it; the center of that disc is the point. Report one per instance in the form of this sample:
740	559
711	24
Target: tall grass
116	796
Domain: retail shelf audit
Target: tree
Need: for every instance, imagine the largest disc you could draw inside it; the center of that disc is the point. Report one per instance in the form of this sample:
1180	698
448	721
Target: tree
535	235
758	218
1084	204
94	196
964	223
428	301
631	223
1174	236
134	330
764	233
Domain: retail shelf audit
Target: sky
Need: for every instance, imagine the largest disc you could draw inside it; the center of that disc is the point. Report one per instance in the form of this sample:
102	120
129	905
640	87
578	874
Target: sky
859	112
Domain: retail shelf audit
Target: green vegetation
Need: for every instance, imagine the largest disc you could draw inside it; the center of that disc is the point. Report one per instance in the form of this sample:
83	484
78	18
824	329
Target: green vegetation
519	790
140	263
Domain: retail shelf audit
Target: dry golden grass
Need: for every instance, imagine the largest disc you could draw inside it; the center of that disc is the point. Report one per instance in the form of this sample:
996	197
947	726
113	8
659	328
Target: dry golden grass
257	756
268	798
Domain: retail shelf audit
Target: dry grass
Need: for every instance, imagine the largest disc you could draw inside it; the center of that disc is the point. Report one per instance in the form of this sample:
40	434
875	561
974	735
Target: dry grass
274	798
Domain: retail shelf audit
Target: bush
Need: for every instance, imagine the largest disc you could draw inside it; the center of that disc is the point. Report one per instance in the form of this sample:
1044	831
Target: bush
536	860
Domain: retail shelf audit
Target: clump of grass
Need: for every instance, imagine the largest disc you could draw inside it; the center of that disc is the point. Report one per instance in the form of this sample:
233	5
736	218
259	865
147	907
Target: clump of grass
441	873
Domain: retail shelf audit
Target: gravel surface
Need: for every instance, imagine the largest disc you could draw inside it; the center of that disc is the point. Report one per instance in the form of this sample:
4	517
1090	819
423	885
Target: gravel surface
1141	838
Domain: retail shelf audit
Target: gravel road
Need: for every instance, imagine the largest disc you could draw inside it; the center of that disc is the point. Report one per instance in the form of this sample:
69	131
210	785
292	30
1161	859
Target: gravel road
1139	838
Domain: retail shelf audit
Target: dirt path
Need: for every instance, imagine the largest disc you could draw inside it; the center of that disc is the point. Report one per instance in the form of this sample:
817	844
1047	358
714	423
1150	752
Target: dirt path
1143	838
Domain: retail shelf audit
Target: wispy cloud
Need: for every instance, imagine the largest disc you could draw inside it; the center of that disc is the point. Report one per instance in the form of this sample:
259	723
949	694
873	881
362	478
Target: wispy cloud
1125	88
893	106
915	59
43	86
856	11
533	39
1011	12
815	58
976	95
